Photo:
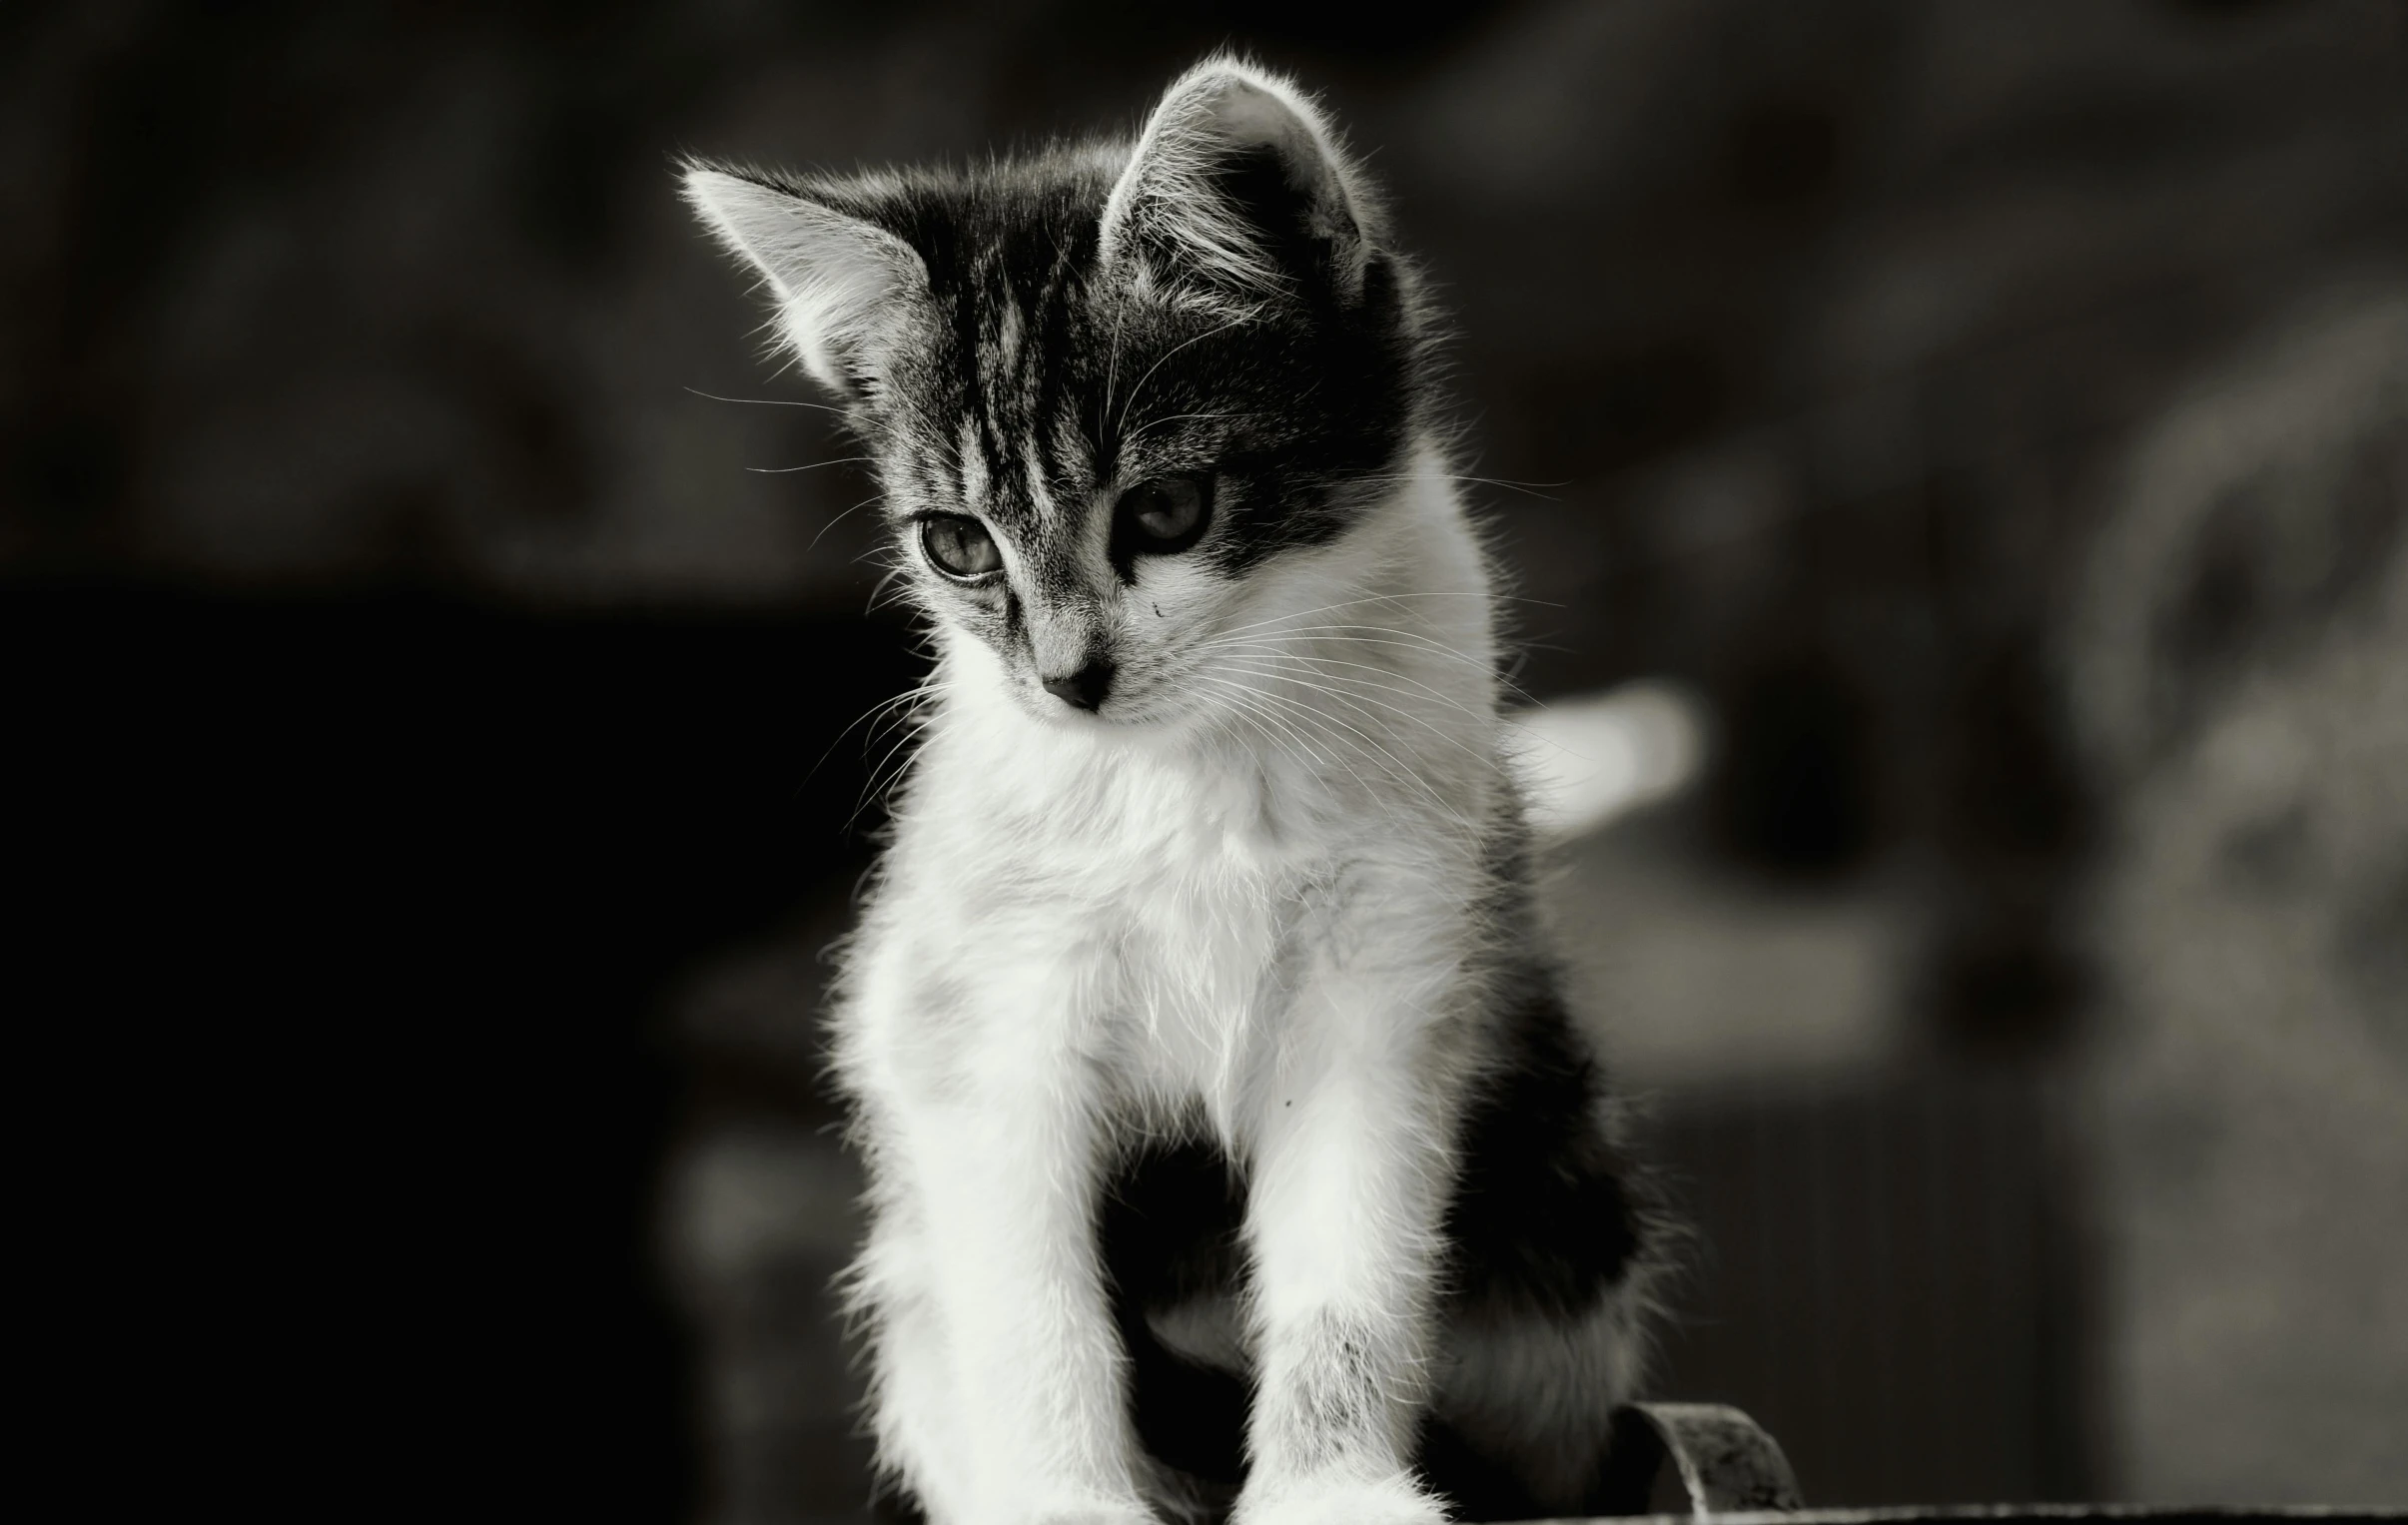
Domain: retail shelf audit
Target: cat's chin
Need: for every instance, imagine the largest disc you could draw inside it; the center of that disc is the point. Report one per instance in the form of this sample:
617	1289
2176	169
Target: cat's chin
1135	728
1063	719
1119	719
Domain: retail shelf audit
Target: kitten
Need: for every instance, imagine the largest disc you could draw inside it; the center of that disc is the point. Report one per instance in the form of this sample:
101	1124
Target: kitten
1208	1069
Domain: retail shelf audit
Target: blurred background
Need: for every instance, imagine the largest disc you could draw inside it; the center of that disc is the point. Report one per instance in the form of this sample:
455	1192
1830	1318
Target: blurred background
1979	430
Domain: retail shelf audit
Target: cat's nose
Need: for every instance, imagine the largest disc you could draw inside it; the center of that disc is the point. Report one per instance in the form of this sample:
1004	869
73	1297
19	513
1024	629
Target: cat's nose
1084	689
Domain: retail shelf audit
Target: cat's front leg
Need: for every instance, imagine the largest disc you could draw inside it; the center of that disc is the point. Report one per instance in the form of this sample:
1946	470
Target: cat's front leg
1352	1168
997	1122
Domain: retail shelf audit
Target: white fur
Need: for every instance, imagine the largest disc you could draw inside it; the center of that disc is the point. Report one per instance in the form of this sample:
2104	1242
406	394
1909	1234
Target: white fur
1259	899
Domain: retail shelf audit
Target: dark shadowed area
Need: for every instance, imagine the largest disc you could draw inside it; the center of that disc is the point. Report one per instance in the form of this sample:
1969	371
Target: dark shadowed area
440	684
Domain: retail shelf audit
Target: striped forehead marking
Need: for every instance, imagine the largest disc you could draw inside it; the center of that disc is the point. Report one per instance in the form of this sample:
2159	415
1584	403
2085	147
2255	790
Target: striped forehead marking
973	450
1008	333
1015	399
1040	491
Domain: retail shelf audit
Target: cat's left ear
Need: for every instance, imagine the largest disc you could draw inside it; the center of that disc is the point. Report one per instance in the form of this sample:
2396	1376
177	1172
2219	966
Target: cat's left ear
844	286
1237	192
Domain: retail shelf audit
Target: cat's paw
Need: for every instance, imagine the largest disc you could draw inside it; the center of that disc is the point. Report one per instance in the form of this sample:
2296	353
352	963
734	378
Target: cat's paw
1392	1500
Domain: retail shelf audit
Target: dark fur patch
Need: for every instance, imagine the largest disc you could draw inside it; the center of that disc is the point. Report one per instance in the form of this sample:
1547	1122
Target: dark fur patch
1170	1232
1543	1219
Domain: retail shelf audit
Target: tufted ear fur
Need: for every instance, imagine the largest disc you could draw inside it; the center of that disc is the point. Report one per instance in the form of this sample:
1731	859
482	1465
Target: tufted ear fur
1236	192
841	283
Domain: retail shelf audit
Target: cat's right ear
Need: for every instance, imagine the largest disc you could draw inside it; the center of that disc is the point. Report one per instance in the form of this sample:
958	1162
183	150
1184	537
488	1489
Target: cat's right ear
1237	190
843	286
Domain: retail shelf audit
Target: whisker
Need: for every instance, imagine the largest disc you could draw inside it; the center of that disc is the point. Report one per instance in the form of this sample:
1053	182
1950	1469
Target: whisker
1356	701
919	690
1356	694
1407	774
1339	635
1526	489
764	402
1350	604
1317	662
1257	700
881	782
1394	768
880	597
1250	703
839	518
1292	743
1409	641
1140	431
1383	635
1138	390
1112	372
841	460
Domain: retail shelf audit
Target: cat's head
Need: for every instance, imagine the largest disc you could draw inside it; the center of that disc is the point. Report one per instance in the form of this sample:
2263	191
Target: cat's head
1120	398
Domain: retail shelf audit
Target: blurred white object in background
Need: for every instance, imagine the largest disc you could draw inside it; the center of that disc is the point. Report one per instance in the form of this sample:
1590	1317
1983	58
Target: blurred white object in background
1693	975
1586	760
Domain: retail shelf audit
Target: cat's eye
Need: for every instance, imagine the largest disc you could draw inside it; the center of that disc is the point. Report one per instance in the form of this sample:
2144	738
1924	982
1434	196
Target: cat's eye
959	546
1167	514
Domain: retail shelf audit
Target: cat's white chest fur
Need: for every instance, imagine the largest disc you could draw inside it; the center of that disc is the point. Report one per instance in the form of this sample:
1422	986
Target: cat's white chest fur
1143	902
